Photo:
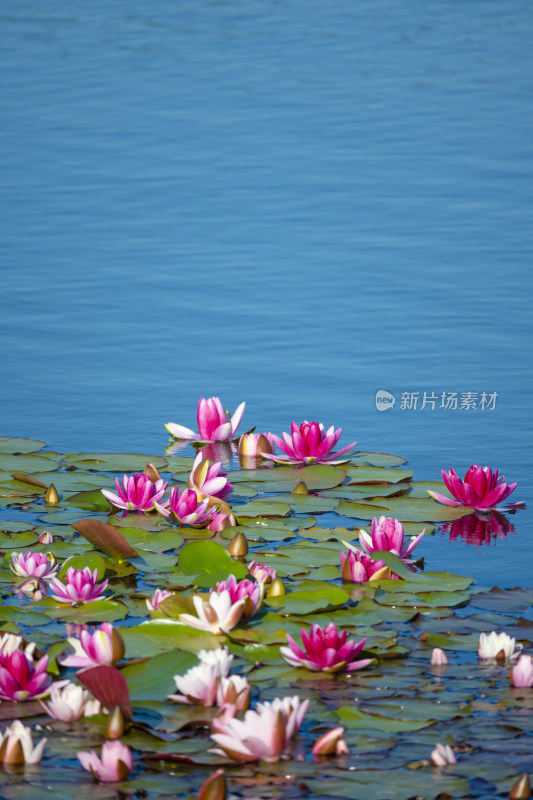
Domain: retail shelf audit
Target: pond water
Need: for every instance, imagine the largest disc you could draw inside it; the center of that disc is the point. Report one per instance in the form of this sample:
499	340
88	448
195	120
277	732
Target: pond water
289	203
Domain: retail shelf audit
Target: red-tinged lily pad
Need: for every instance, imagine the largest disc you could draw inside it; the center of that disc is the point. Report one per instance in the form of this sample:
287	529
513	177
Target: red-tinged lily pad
105	537
109	686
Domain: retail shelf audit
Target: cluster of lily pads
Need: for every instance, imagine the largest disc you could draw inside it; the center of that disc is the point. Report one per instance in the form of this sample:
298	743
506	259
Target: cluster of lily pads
351	667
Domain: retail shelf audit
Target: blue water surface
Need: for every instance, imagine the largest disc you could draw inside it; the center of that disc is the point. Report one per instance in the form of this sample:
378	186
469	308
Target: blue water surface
294	204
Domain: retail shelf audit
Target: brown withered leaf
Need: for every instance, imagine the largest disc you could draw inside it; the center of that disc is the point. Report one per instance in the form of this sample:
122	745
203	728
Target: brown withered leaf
105	537
109	686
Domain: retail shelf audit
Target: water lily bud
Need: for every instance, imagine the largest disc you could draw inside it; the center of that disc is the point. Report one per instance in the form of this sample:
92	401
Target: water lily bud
214	788
300	488
238	546
152	472
438	657
521	790
51	495
276	588
331	743
46	538
115	724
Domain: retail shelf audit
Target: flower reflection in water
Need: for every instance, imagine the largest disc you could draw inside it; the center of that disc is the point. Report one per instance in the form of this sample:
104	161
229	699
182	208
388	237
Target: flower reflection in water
479	528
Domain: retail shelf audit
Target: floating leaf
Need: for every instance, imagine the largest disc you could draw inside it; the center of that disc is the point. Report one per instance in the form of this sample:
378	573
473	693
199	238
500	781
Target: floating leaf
105	537
109	686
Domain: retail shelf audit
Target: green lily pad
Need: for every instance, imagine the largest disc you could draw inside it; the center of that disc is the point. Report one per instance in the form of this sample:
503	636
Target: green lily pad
285	478
113	462
92	560
359	475
153	679
14	445
262	508
27	463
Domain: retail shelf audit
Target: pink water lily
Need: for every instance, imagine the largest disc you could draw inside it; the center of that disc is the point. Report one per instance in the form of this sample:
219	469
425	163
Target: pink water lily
217	615
261	572
263	734
251	592
324	650
442	755
20	678
214	424
80	586
309	443
207	480
33	565
387	534
136	492
331	744
158	596
185	508
103	646
115	764
480	489
205	685
358	567
16	745
522	673
220	521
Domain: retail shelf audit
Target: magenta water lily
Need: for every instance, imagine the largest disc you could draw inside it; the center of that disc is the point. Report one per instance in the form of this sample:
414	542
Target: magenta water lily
207	480
358	567
21	678
324	650
309	443
185	508
481	488
251	592
80	586
136	493
387	534
214	424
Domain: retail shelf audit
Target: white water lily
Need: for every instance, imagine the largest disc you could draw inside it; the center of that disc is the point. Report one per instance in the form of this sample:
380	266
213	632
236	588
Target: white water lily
67	703
218	615
10	642
219	657
16	745
497	646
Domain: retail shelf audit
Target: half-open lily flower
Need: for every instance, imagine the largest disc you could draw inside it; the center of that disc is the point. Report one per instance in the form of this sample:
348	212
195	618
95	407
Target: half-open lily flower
522	673
220	521
263	733
497	646
214	424
358	567
16	745
388	534
66	703
309	443
442	755
104	646
34	565
218	615
261	572
255	445
185	508
207	480
115	765
250	591
136	493
20	678
158	596
331	744
481	488
198	685
324	650
34	588
80	586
